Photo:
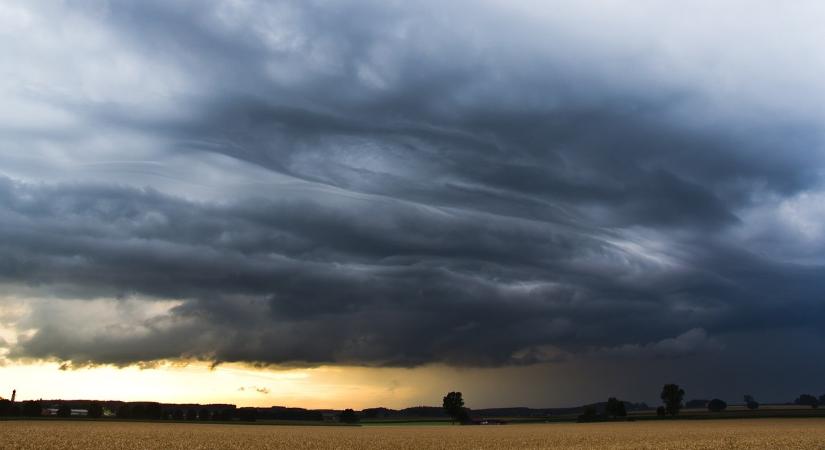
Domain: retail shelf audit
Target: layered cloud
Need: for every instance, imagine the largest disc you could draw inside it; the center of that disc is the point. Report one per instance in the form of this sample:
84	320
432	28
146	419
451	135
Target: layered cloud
394	184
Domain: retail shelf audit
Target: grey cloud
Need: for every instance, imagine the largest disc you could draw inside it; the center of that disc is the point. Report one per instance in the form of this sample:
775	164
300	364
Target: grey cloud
430	137
688	343
425	184
283	282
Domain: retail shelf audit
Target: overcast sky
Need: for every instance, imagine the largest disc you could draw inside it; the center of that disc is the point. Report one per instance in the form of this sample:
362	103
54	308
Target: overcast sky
632	188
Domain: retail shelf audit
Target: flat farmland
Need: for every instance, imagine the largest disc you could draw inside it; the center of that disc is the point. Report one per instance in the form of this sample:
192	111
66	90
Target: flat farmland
704	434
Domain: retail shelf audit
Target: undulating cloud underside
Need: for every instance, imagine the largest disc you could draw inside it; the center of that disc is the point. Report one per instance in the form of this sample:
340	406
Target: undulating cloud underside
397	184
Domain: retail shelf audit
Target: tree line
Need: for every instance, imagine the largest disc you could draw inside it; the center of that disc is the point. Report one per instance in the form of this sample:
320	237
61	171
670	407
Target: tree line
672	396
160	411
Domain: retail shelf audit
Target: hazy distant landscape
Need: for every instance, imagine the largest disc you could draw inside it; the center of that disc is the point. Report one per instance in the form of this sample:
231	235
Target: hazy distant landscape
691	424
453	410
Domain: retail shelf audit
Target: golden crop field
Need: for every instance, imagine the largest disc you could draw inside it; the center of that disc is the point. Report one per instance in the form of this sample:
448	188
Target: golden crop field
727	434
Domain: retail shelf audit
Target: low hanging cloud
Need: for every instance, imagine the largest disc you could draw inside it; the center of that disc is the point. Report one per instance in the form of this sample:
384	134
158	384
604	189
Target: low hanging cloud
688	343
304	183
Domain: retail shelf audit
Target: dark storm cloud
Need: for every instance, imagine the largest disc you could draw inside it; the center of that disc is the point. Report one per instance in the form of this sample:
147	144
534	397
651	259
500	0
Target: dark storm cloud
304	282
460	190
290	281
461	126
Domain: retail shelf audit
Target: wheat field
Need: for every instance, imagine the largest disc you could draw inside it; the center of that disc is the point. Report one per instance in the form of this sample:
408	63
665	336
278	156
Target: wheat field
727	434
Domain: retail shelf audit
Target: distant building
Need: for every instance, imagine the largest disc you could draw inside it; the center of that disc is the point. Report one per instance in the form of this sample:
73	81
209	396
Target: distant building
75	412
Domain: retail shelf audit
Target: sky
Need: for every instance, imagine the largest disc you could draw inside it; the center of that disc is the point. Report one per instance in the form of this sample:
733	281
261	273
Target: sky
338	203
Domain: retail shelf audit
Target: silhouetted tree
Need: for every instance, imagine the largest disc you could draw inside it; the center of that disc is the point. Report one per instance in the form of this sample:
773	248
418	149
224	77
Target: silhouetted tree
454	406
349	416
615	407
750	402
717	405
672	396
64	410
807	400
95	410
660	411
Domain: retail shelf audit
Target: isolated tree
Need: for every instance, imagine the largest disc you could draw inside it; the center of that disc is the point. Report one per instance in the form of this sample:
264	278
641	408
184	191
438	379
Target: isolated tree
807	400
454	406
64	410
348	416
672	396
750	402
615	408
717	405
95	410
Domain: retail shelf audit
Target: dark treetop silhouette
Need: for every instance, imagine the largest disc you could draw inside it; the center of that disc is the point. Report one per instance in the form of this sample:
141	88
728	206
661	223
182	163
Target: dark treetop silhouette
454	406
672	396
